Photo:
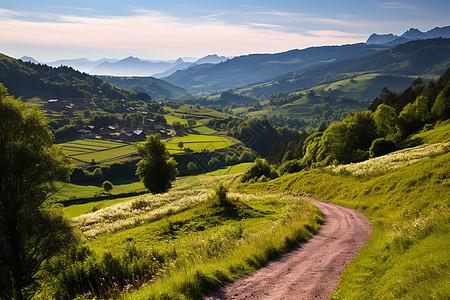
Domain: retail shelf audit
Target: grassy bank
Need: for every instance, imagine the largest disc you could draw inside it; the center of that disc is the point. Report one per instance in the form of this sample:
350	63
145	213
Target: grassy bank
407	254
183	243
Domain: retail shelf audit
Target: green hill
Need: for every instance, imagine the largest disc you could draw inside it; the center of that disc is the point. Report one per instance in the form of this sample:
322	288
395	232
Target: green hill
417	58
28	80
158	89
406	197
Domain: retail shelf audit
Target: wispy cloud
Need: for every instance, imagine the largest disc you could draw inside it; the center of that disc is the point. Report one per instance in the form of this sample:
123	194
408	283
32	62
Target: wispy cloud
266	25
214	15
154	34
401	5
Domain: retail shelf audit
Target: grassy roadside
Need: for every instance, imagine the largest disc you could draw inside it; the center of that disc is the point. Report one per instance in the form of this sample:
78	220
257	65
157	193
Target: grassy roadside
407	254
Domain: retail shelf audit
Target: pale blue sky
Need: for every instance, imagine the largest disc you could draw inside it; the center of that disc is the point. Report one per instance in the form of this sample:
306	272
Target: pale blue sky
55	29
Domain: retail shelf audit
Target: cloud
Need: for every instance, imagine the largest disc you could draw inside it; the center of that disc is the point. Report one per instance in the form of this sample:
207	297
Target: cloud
153	34
401	5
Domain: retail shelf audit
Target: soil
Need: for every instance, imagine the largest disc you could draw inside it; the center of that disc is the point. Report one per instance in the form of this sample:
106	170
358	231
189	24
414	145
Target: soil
311	270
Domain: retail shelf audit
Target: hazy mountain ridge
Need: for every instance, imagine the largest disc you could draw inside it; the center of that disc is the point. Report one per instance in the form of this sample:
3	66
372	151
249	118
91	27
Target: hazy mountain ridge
158	89
413	58
248	69
130	66
409	35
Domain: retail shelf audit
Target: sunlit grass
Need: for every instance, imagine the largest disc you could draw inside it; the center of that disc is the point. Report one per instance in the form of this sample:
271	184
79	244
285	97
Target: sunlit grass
395	160
405	257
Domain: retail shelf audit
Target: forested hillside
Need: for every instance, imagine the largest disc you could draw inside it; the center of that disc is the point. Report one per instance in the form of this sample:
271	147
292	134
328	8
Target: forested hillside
25	79
413	58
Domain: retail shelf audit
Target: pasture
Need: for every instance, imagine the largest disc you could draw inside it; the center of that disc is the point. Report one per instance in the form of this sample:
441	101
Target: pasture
84	150
198	142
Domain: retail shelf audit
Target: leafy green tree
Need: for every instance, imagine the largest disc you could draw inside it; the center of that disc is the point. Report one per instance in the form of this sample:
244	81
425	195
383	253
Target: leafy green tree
156	169
191	122
213	163
441	106
30	232
192	167
259	169
385	120
180	145
107	186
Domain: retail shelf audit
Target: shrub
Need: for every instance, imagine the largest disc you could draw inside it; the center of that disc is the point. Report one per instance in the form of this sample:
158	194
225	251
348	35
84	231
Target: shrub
381	147
192	167
213	163
260	168
107	186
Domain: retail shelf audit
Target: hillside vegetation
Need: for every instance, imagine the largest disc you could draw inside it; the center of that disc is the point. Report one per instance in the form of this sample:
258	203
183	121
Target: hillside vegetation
28	80
406	256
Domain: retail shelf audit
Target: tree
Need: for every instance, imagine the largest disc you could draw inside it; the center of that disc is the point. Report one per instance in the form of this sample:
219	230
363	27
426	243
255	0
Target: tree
191	122
213	163
30	232
107	186
192	167
180	145
156	169
385	120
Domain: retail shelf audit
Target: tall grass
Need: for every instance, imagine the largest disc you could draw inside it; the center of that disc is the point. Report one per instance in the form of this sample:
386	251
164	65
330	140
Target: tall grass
227	254
179	245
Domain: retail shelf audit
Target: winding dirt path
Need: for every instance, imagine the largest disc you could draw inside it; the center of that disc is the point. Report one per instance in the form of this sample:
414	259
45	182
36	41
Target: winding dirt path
312	270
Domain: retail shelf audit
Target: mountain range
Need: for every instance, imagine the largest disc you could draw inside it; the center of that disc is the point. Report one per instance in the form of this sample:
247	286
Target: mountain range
130	66
410	59
410	35
247	69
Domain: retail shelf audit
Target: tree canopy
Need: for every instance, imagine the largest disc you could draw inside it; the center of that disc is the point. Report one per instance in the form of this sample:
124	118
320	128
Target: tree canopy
156	169
30	232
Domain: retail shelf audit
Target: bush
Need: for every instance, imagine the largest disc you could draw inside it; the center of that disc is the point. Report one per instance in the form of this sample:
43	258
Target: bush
66	131
192	167
213	163
260	168
107	186
381	147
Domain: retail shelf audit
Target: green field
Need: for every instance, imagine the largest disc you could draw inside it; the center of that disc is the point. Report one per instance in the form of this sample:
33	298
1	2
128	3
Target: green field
198	142
87	149
187	232
70	191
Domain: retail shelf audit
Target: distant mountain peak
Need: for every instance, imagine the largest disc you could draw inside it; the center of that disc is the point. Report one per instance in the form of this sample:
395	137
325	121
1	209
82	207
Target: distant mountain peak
411	34
414	33
179	61
29	59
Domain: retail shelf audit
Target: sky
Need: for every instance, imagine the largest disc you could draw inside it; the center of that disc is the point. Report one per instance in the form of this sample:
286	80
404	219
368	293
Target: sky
50	30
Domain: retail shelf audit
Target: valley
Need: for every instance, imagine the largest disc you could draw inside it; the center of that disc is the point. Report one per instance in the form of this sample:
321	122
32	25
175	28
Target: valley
320	172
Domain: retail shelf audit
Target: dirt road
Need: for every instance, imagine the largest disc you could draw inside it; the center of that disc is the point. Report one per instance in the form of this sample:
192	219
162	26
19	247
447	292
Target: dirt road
312	270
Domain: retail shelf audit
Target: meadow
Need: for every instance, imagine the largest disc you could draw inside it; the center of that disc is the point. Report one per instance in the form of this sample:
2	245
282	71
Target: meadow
70	191
198	142
196	238
86	150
